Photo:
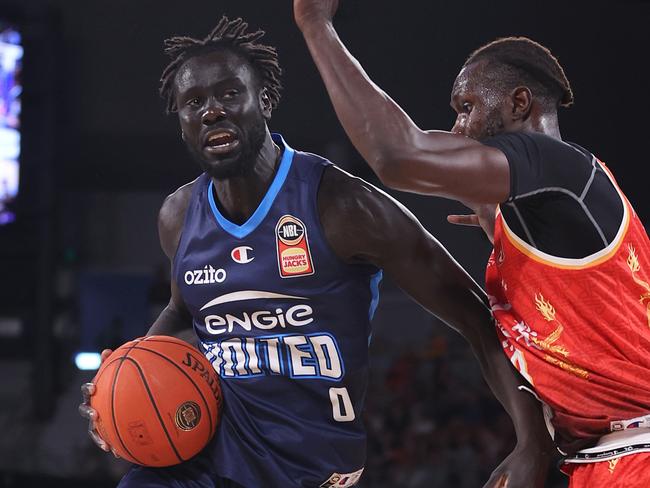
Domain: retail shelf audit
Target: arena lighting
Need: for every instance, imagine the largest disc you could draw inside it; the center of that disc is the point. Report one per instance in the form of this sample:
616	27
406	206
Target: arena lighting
88	361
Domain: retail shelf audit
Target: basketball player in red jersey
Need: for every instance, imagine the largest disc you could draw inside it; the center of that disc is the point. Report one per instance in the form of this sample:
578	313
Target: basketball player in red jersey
569	277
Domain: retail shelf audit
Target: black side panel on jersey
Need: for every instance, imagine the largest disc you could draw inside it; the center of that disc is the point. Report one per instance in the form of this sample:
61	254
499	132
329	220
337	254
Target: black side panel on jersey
561	200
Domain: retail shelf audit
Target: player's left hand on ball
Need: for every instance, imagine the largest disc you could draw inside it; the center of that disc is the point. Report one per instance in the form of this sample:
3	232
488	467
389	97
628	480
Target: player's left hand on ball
308	12
87	412
525	467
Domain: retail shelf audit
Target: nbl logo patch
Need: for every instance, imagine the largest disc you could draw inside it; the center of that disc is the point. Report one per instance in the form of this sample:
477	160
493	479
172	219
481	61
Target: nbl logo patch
294	257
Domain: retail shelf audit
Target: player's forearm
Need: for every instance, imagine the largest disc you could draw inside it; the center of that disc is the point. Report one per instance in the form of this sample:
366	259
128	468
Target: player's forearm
375	124
504	381
461	303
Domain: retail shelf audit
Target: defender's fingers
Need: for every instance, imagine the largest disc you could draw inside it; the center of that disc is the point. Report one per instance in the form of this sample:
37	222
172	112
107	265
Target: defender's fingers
105	354
463	219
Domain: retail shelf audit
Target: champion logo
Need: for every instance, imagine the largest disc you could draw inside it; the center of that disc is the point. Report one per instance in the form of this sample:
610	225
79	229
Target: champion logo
242	254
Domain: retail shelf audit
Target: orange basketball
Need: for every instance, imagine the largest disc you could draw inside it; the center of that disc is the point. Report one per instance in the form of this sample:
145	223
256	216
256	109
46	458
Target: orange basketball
158	401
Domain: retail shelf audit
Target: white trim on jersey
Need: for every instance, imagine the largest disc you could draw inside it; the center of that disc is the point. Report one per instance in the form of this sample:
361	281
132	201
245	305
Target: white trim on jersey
237	296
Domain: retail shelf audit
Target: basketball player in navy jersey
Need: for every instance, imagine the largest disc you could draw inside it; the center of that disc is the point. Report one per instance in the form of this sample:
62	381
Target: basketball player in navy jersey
276	261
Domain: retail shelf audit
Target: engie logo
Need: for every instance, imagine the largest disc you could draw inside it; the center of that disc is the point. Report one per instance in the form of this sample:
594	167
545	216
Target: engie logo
206	276
294	256
242	254
295	316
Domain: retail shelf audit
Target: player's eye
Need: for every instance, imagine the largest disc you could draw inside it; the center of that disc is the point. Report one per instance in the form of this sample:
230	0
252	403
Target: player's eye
230	94
467	107
194	102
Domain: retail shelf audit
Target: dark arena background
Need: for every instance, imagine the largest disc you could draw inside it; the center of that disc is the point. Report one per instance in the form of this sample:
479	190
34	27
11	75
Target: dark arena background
80	264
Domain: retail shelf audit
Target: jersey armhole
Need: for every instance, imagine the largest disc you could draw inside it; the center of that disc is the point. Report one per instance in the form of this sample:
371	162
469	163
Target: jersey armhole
593	259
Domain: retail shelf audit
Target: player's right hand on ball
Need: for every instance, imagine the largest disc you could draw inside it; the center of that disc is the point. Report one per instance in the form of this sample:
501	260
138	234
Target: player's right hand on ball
87	412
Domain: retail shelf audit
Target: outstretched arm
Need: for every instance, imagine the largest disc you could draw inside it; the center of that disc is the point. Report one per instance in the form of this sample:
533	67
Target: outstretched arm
403	156
355	216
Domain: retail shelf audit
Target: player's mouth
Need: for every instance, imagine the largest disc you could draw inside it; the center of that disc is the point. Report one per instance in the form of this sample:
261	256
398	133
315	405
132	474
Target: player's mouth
220	142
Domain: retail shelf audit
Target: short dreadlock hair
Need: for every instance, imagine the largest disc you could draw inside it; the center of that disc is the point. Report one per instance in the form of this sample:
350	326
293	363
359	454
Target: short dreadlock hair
228	34
516	61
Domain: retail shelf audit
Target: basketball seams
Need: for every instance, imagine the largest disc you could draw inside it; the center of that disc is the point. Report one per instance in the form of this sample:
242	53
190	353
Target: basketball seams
104	366
117	370
205	402
155	407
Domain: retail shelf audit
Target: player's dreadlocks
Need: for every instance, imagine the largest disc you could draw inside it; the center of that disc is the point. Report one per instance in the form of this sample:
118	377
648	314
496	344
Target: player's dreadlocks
229	34
522	61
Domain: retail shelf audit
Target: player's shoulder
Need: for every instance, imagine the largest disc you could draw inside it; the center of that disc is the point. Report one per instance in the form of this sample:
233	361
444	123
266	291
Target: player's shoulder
537	144
175	204
346	200
172	216
342	191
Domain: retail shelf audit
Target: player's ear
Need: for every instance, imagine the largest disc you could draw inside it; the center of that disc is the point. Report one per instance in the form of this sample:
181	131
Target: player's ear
522	102
265	104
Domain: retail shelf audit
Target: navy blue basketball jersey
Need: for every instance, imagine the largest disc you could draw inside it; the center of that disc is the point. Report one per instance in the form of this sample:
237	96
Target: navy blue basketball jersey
286	325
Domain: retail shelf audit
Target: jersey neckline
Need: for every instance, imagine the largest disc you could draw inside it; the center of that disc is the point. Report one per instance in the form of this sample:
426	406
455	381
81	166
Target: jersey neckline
241	231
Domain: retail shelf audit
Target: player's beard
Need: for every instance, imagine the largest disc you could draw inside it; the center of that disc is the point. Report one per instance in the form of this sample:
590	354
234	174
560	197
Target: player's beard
251	144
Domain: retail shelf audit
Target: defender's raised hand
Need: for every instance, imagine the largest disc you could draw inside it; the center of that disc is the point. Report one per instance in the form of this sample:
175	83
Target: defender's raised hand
311	12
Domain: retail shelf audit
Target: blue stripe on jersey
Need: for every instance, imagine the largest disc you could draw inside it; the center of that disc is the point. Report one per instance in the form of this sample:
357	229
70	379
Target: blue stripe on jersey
241	231
374	292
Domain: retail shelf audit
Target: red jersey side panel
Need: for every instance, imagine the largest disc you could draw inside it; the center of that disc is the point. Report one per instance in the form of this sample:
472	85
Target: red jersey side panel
577	329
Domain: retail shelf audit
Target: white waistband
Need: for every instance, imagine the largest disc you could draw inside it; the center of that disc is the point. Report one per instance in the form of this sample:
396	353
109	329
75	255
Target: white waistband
614	445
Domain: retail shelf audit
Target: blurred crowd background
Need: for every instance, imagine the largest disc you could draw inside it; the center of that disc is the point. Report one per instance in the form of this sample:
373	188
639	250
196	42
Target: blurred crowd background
80	264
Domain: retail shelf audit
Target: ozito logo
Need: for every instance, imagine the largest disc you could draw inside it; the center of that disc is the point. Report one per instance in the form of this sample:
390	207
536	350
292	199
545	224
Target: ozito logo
206	276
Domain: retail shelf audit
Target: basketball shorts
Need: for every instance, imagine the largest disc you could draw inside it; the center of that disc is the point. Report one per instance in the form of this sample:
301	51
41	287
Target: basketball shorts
631	471
195	473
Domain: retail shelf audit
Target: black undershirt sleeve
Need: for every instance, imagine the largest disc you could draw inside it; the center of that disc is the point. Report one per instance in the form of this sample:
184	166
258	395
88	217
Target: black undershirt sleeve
561	201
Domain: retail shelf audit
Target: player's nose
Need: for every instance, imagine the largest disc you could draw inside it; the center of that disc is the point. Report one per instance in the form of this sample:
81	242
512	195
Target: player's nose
213	113
459	126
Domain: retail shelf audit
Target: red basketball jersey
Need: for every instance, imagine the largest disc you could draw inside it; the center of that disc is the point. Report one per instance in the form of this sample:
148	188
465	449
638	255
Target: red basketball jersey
577	329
